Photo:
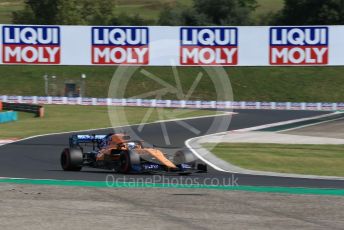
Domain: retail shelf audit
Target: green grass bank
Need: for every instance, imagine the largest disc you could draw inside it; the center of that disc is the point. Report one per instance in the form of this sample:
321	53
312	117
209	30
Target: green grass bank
322	160
64	118
295	84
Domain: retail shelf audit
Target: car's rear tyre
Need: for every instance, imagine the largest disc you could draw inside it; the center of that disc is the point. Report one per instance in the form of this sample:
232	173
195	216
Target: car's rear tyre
71	159
128	161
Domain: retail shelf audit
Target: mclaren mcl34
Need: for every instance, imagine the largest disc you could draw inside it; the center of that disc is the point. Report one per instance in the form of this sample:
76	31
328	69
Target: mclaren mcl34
119	153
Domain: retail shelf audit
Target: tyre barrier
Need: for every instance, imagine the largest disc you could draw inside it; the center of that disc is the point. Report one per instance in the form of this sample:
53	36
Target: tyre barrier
38	110
8	116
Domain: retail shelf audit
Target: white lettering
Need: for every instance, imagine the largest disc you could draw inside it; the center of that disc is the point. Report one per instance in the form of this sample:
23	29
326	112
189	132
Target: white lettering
209	56
30	54
208	37
299	36
298	55
31	35
119	55
119	36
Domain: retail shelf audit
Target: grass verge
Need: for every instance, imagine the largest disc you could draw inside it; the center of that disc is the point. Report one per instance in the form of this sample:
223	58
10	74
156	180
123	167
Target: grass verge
63	118
322	160
295	84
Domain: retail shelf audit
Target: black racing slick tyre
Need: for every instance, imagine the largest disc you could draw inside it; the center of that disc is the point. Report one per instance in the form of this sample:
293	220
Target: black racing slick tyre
184	156
127	160
71	159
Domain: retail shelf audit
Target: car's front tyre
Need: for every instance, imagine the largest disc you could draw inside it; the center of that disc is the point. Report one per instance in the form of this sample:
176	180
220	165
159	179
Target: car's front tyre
71	159
129	160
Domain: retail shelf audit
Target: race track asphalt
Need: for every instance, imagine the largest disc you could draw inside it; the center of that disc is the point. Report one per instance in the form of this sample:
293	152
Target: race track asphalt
38	158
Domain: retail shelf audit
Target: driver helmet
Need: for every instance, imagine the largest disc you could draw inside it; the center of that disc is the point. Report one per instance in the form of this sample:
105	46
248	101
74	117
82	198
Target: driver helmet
131	145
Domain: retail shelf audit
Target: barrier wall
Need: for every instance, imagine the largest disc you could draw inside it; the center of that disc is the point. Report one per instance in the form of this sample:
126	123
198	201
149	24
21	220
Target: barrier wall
165	46
38	110
174	104
8	116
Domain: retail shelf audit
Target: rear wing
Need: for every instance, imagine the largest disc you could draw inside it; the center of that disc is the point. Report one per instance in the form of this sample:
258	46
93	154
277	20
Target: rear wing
75	140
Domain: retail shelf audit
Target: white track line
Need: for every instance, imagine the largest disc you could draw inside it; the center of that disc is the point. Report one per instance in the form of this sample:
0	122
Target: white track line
187	142
285	122
255	173
304	126
88	130
124	126
7	141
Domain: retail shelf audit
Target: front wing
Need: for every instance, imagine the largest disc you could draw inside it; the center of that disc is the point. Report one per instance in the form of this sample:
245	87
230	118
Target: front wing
149	167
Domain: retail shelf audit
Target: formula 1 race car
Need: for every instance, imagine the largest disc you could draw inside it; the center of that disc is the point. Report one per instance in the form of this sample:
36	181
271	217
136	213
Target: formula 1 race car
119	153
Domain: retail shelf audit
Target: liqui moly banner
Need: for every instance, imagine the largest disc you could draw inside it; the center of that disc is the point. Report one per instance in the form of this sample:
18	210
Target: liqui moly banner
299	46
120	45
166	45
31	45
209	46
